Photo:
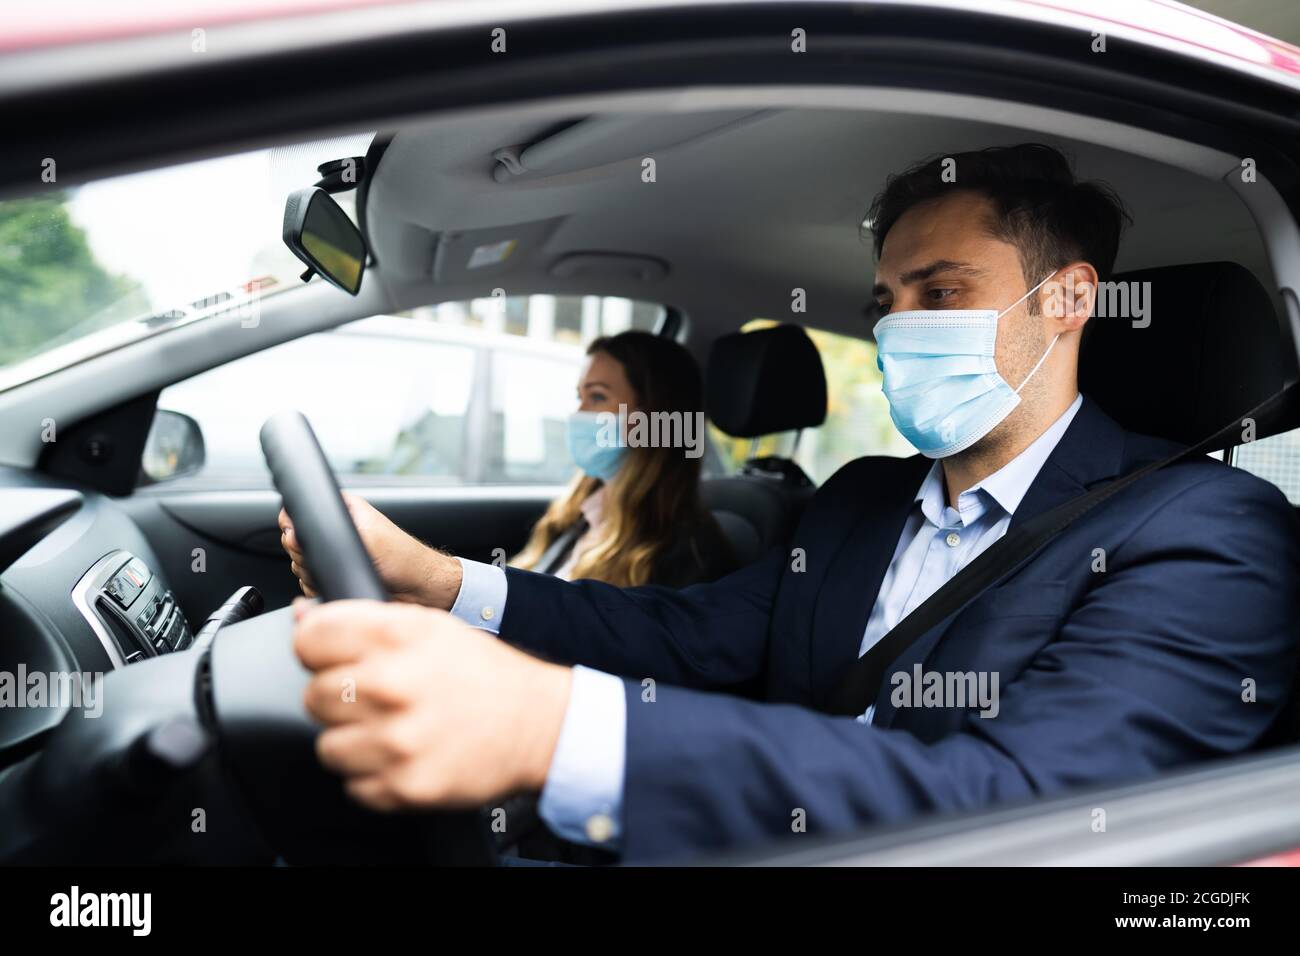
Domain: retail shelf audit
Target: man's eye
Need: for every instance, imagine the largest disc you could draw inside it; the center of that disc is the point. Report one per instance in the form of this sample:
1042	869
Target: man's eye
882	308
941	295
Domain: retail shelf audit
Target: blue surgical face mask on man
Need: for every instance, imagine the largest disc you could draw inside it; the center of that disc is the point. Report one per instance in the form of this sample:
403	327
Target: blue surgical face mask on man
944	389
596	443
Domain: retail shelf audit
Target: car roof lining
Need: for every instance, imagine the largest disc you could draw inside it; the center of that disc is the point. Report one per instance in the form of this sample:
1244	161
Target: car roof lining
767	201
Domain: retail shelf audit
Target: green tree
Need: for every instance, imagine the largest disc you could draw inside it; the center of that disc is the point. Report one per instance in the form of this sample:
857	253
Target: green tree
49	279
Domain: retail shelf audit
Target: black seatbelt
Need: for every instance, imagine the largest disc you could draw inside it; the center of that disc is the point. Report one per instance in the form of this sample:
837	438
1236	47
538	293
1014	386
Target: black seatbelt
858	688
553	557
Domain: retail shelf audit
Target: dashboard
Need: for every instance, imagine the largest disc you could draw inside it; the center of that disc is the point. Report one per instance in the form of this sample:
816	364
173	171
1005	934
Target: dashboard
80	592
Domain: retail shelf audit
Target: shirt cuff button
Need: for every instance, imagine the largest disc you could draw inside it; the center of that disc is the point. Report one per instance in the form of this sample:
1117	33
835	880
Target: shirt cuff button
599	828
487	614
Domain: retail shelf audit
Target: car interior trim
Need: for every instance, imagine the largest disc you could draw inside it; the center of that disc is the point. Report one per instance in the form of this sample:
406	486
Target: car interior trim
90	584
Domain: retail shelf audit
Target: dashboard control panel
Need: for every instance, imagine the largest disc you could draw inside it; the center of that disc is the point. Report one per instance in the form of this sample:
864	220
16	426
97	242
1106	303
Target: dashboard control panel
132	612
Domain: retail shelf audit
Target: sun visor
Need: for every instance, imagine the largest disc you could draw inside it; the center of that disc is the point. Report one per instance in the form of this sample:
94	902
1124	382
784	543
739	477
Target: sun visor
600	140
473	255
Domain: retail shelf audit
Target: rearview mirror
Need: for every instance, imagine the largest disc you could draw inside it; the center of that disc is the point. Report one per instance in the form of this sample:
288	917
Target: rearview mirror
320	233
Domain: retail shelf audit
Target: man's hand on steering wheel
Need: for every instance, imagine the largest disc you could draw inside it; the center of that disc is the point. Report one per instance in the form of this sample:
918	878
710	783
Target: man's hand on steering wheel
410	570
424	711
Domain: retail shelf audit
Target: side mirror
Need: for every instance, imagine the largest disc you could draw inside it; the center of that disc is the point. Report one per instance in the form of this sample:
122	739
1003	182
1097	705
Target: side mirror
174	447
319	232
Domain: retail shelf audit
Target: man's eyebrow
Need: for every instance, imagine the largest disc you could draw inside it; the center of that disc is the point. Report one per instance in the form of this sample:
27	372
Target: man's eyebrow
948	266
593	385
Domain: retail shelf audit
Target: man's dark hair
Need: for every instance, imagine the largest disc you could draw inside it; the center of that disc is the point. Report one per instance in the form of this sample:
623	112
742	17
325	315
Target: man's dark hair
1038	205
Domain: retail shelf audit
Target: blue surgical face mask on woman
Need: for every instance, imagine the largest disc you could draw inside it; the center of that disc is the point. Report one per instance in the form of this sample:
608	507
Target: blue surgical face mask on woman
944	389
596	443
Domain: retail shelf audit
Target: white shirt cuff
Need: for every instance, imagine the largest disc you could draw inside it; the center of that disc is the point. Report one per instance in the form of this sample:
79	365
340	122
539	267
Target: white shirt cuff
583	797
482	597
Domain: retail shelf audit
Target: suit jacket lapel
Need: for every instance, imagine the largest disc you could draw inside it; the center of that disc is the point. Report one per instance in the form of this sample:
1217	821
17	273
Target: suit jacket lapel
855	570
1091	450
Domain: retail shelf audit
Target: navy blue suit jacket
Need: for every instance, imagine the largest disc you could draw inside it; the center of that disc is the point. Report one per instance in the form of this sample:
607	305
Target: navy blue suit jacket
1104	675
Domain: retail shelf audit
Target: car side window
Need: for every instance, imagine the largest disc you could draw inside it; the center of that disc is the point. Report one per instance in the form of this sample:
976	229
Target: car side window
1275	459
531	397
459	393
857	415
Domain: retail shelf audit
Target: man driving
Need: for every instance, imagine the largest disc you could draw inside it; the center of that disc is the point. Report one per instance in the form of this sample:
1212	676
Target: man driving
612	704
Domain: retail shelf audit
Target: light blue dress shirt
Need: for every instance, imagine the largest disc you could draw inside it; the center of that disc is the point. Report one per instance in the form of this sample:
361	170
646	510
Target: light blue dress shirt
583	796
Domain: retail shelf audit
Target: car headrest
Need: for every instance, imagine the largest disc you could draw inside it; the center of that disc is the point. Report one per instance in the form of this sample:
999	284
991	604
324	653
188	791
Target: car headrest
1208	348
766	381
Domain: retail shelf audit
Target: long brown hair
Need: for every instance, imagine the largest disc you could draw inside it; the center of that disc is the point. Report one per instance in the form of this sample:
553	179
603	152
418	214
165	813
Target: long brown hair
654	497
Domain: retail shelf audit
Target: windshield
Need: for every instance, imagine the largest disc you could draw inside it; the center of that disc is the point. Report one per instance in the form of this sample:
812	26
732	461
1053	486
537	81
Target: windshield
85	269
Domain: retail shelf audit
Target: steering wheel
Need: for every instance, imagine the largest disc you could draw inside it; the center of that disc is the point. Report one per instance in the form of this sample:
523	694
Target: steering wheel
340	566
257	683
224	728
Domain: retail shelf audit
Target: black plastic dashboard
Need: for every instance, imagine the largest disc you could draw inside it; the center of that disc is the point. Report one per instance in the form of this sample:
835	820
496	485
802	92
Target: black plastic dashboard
80	592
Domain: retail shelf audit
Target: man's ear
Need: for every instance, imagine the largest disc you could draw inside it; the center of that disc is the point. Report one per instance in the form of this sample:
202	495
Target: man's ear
1070	296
